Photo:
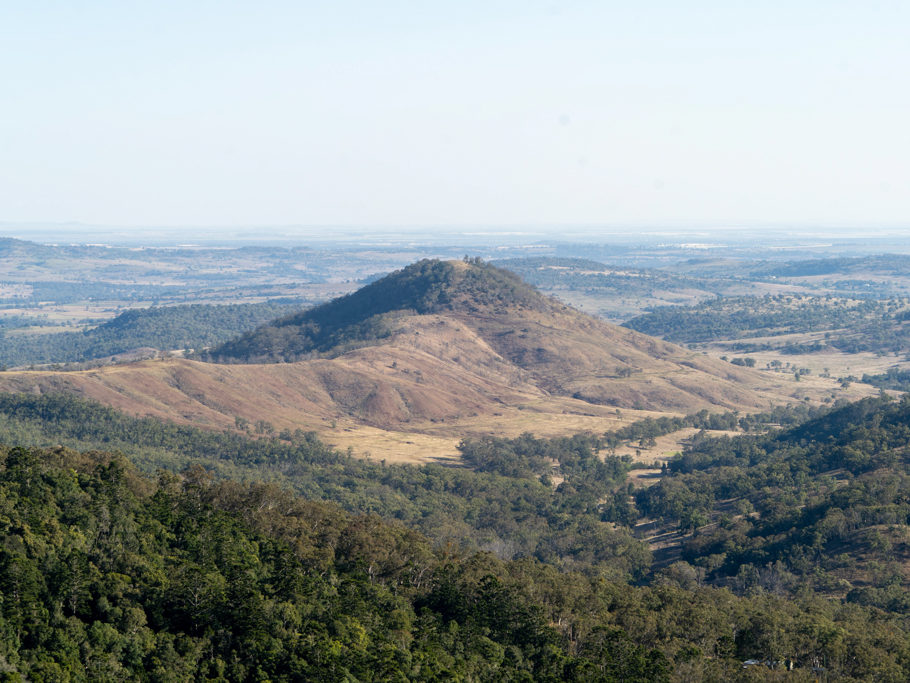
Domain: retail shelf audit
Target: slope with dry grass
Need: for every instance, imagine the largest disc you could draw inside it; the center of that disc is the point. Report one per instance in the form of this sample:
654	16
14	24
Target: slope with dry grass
440	349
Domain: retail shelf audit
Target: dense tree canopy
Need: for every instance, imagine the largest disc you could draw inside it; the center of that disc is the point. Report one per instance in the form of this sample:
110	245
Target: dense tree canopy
524	568
108	575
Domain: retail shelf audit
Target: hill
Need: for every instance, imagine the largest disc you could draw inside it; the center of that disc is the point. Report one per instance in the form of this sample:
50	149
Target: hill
441	349
513	327
367	315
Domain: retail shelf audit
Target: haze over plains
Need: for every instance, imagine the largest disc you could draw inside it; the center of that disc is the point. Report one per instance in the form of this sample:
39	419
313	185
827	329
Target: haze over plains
410	115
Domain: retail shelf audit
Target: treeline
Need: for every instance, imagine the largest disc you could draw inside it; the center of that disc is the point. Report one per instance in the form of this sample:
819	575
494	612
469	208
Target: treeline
63	292
112	576
893	378
13	322
193	326
645	431
883	263
850	325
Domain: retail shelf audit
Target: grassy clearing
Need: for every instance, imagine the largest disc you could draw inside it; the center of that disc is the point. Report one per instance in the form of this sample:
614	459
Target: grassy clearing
832	362
394	447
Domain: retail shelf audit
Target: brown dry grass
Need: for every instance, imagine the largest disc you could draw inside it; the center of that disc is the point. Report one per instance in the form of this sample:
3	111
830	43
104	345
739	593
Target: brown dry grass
393	446
835	363
441	378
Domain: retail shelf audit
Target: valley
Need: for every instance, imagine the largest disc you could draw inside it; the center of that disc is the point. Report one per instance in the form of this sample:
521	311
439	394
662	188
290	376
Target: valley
512	342
743	462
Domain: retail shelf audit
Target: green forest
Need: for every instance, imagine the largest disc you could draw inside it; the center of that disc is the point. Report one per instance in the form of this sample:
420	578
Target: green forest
108	575
237	557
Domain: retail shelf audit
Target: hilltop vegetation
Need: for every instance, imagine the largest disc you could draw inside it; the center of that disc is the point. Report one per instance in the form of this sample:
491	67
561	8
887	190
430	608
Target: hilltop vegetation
364	316
193	326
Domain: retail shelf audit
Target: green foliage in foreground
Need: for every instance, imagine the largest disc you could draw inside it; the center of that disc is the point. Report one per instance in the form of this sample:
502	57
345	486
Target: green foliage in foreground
173	327
569	525
778	521
106	575
824	505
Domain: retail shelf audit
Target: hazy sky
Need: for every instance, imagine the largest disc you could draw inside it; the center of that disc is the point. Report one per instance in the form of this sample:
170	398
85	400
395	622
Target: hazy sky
456	113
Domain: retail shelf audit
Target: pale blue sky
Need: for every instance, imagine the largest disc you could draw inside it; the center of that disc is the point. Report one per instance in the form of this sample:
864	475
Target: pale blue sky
458	113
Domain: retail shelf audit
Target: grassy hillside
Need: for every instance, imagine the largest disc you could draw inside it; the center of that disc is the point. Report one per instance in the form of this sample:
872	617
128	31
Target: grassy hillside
505	326
365	315
439	349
